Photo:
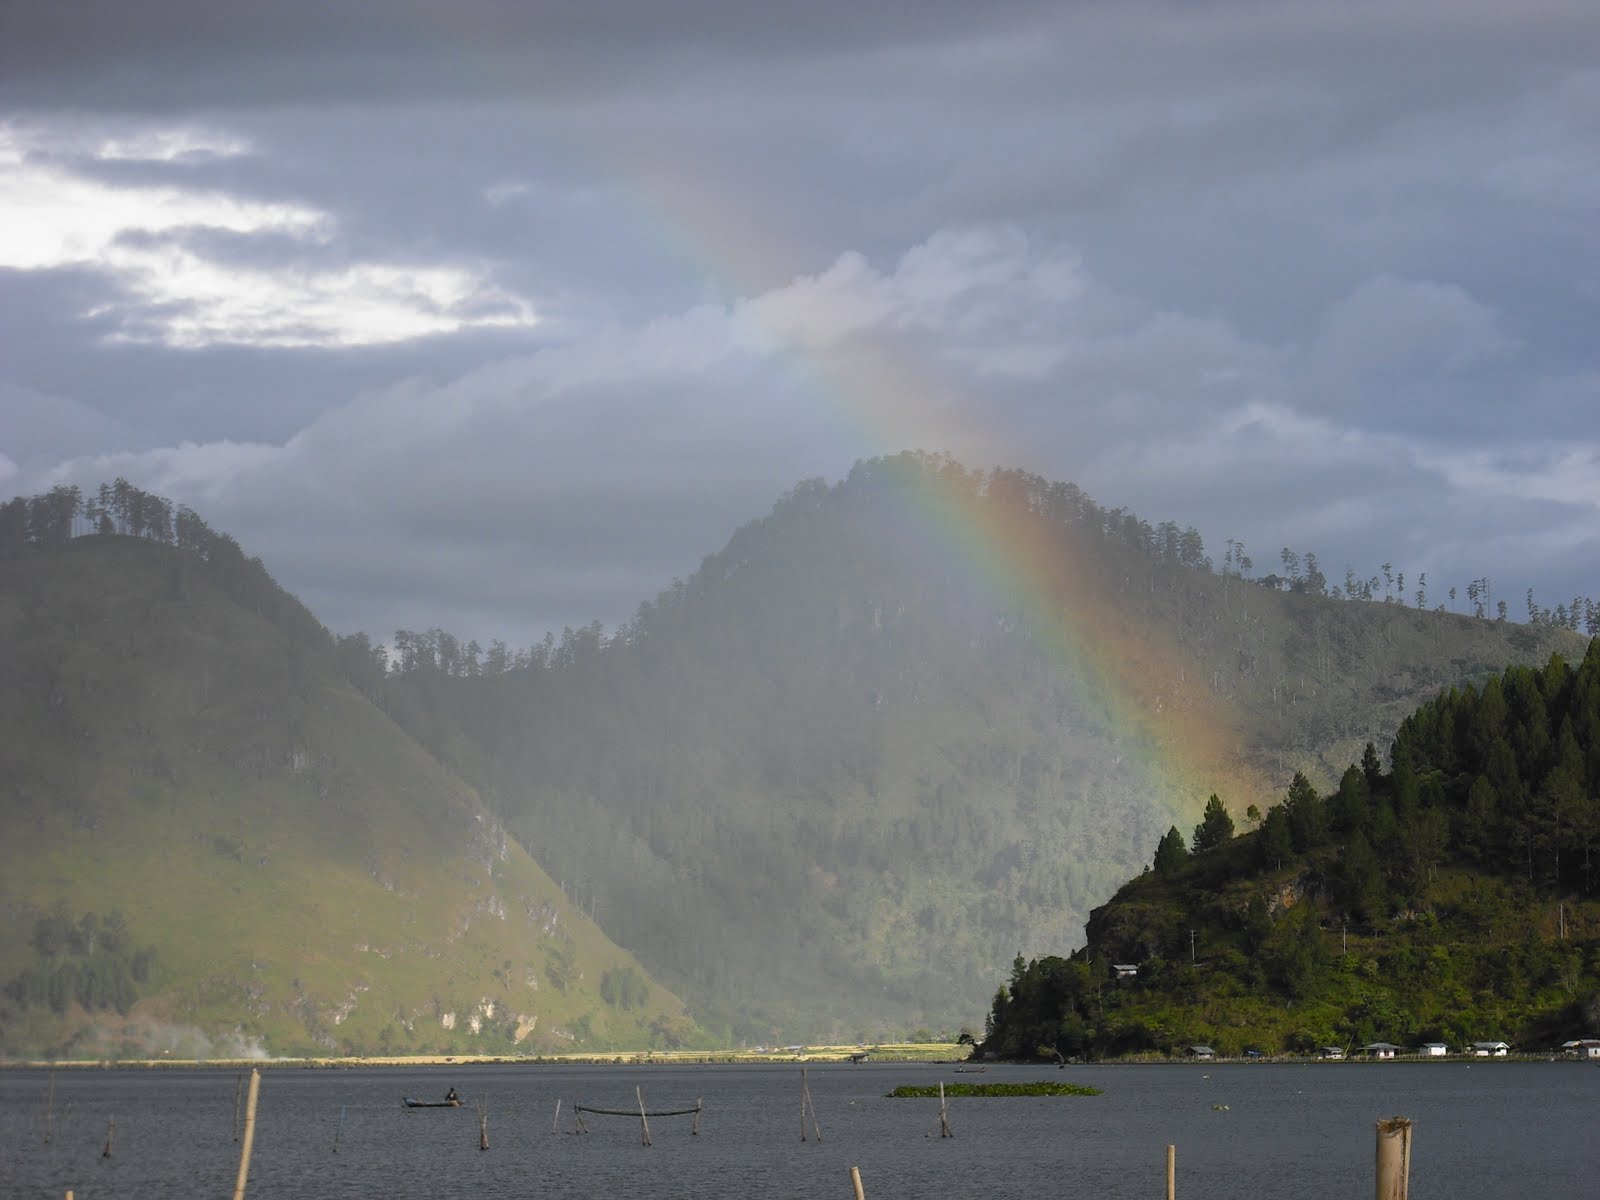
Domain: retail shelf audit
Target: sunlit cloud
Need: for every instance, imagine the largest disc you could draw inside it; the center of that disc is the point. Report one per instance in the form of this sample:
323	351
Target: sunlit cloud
171	293
171	145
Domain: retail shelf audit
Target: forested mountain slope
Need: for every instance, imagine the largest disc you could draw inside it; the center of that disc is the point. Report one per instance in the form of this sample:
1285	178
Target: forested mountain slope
1454	897
211	843
912	723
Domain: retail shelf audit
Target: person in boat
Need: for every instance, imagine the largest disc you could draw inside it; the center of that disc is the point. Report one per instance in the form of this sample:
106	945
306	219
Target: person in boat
451	1097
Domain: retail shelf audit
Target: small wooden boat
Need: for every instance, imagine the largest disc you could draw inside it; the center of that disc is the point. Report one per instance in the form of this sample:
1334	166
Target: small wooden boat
411	1103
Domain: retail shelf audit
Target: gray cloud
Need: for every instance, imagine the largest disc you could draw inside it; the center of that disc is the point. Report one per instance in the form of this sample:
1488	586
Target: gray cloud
1295	273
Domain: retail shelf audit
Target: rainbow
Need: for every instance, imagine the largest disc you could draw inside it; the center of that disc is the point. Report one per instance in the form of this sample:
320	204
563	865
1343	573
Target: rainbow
1185	741
1185	738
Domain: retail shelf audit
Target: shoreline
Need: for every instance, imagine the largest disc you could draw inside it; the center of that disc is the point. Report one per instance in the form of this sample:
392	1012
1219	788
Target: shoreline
903	1055
911	1052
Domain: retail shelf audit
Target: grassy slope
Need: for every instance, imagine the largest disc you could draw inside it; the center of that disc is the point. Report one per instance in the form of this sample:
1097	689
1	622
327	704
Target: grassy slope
308	874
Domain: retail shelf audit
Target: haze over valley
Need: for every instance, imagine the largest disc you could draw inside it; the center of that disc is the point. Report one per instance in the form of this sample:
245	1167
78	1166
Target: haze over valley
577	525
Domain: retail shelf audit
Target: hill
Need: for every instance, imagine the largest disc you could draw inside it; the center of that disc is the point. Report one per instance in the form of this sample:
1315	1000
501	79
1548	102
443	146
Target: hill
1454	897
908	724
211	843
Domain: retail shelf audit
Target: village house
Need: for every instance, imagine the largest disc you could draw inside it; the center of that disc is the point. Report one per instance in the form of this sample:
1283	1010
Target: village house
1125	970
1491	1049
1582	1047
1331	1052
1381	1049
1433	1049
1202	1052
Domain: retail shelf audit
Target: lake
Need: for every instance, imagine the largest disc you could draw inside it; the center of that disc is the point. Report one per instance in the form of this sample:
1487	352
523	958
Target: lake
1483	1131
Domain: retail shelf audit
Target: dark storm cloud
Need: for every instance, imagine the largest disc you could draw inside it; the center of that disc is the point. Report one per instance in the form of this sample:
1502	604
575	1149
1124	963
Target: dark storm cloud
165	53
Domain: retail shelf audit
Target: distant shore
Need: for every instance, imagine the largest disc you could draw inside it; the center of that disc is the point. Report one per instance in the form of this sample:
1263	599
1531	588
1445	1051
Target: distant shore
904	1052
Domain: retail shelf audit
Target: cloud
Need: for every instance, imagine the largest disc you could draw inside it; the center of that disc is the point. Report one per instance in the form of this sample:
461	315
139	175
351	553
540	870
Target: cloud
1389	326
172	288
1291	272
572	483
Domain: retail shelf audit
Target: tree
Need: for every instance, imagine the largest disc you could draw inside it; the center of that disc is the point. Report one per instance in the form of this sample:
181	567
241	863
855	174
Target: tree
1276	842
1351	807
1215	828
1308	821
1170	852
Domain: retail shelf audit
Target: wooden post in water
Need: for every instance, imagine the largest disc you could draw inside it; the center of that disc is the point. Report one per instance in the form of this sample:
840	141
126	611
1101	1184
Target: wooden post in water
807	1103
944	1114
111	1132
557	1117
249	1134
238	1090
1172	1173
644	1121
339	1128
696	1129
804	1095
483	1126
1394	1158
855	1182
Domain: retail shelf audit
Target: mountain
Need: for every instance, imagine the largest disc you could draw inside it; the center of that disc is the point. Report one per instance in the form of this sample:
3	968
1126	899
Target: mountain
1454	897
908	725
212	844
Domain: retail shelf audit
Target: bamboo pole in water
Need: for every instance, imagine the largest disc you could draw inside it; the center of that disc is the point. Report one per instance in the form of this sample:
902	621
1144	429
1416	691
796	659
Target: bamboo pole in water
249	1134
557	1117
483	1126
1172	1173
644	1121
1394	1158
855	1182
944	1114
111	1132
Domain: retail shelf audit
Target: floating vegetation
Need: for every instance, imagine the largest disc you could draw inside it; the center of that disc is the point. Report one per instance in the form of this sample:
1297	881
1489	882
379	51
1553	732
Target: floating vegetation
1041	1088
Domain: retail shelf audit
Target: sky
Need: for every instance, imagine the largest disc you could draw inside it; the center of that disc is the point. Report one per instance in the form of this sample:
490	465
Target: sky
499	315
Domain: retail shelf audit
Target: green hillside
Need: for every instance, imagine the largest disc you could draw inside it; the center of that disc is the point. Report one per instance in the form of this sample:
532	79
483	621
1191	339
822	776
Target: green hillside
211	843
833	781
825	788
1454	897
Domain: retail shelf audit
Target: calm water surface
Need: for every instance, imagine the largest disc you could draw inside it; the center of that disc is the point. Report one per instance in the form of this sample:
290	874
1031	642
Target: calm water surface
1485	1131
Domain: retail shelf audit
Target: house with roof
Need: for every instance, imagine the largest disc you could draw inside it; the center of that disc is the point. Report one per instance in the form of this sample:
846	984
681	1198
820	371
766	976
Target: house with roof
1125	970
1491	1049
1202	1052
1381	1049
1582	1047
1433	1049
1330	1052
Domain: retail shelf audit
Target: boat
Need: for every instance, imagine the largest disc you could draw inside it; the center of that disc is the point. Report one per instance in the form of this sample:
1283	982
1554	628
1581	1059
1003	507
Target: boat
411	1103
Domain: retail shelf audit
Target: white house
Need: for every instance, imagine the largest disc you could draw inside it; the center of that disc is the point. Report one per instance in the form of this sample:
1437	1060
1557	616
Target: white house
1490	1049
1331	1052
1582	1047
1125	970
1381	1049
1433	1049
